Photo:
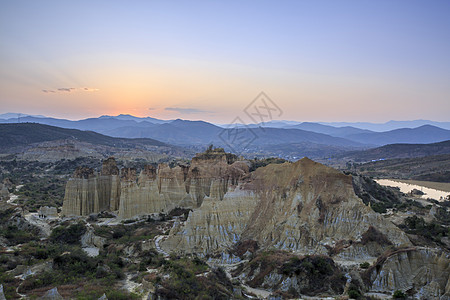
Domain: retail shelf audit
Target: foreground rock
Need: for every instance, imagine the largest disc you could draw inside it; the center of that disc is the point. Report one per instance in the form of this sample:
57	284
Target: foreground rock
423	272
304	207
52	294
299	228
290	276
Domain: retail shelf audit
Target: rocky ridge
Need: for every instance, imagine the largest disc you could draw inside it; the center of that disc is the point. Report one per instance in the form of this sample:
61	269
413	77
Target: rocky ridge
302	208
424	272
88	192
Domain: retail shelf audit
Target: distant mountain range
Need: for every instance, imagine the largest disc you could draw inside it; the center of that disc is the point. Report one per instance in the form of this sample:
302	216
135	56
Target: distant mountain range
377	127
33	141
286	143
395	151
253	138
391	125
24	134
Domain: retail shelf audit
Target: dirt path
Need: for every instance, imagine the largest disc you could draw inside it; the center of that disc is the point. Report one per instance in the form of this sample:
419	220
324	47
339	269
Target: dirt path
158	239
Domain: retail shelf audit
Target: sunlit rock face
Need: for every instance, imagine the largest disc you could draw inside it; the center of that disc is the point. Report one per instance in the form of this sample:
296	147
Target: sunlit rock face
88	192
423	271
154	190
304	207
165	188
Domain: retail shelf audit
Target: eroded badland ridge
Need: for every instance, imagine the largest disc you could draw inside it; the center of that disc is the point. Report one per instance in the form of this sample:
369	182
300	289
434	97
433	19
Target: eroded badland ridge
303	213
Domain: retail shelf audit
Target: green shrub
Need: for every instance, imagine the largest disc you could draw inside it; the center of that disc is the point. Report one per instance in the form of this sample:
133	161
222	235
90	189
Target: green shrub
353	292
364	265
398	294
417	225
120	295
379	207
68	234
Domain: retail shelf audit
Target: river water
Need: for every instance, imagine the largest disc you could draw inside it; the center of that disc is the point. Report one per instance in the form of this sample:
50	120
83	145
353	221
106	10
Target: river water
406	188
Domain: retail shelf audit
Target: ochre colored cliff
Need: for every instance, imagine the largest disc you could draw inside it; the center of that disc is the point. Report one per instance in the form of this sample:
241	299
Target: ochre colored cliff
304	207
88	192
154	190
164	188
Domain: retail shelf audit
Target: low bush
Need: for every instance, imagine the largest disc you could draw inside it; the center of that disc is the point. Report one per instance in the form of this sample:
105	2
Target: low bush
398	294
68	234
353	292
364	265
432	231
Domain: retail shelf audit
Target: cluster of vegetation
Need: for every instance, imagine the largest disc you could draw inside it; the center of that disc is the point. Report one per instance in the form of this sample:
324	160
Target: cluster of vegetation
431	231
43	183
318	274
72	269
258	163
311	265
382	198
12	231
410	205
379	197
45	191
374	235
398	294
213	153
128	232
353	292
442	214
68	234
192	279
364	265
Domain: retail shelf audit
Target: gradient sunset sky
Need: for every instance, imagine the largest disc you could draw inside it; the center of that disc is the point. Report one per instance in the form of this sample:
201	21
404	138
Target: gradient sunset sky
318	60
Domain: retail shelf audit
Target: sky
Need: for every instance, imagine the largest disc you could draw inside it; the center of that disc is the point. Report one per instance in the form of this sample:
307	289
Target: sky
316	60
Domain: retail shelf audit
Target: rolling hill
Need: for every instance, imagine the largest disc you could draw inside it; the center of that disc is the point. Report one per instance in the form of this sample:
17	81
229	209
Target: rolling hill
424	134
394	151
18	135
330	130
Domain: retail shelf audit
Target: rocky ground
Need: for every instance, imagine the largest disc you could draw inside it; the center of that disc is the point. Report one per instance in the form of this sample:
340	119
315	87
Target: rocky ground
104	255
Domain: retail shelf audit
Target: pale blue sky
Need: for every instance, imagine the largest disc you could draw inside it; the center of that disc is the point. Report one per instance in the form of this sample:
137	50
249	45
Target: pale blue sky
319	60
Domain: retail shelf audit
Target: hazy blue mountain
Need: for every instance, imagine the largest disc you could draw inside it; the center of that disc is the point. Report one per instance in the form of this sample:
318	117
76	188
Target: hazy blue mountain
330	130
14	135
17	116
272	124
420	135
399	151
94	124
126	117
182	132
391	125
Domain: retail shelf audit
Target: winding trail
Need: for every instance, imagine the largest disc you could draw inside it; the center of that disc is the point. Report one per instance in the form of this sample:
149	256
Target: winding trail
158	239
